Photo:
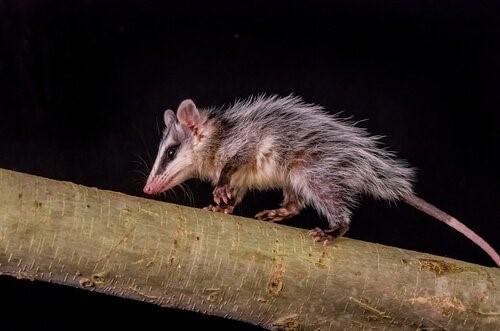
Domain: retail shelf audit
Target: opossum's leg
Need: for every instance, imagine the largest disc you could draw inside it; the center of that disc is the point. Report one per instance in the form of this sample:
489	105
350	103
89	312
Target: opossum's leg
332	201
338	215
224	192
290	207
226	197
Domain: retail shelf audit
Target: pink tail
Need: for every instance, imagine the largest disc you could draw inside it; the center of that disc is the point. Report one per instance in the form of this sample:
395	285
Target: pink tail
433	211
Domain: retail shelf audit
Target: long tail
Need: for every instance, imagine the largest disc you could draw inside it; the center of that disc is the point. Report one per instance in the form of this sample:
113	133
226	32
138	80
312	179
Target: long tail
433	211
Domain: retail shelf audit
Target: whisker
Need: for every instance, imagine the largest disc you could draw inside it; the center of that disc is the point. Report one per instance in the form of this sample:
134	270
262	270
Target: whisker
188	193
181	187
146	164
174	193
139	162
138	181
158	132
140	172
191	194
146	147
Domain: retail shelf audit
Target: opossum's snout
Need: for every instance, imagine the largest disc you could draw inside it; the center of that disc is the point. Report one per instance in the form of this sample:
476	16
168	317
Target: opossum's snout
157	185
149	189
161	181
152	188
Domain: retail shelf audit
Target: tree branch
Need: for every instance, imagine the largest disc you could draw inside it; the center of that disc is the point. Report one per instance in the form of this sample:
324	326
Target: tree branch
265	274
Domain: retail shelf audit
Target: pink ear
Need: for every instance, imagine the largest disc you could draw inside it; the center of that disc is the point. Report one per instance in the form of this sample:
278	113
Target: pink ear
168	117
188	114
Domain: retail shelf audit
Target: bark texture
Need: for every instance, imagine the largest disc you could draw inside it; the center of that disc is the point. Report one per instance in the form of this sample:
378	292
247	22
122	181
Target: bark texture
265	274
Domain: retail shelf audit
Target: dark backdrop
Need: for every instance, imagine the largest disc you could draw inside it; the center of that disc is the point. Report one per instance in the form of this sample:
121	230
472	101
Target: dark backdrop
83	85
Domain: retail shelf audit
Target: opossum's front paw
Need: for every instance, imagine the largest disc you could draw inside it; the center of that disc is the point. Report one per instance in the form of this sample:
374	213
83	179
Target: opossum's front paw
276	215
224	194
225	209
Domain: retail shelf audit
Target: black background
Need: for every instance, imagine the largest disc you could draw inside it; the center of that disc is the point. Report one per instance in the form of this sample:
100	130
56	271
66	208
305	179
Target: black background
83	85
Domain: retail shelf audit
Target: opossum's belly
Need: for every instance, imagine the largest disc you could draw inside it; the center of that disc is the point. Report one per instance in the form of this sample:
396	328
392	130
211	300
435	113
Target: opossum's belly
260	178
263	172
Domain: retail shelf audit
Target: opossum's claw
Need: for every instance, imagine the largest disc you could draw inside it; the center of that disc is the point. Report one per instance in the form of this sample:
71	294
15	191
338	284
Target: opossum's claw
228	209
224	194
276	215
328	235
320	235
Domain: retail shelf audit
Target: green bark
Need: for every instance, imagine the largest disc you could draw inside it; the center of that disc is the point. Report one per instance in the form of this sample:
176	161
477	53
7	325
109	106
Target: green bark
265	274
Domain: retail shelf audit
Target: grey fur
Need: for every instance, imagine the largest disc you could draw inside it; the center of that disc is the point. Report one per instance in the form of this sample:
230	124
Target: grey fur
340	161
343	160
265	142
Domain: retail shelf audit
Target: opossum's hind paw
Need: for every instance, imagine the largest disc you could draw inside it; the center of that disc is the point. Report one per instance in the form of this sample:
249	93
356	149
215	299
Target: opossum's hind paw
276	215
328	235
321	235
226	209
224	194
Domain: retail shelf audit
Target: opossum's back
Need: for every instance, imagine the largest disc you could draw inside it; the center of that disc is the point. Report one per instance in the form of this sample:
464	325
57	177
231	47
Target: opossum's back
289	119
331	146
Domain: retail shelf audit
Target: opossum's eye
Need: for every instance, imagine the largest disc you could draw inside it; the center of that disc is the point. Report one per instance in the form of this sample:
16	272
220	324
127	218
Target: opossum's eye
171	152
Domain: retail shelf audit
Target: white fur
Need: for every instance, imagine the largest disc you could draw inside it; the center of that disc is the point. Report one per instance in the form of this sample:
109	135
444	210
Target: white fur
287	143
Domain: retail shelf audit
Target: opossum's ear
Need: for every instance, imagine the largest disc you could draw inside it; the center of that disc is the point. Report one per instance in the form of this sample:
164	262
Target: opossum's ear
168	117
188	115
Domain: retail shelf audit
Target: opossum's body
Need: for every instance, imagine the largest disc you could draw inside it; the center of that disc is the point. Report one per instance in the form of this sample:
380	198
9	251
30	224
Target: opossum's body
324	161
271	142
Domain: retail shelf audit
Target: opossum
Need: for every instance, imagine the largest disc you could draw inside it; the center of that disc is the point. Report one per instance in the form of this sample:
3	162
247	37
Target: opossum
269	142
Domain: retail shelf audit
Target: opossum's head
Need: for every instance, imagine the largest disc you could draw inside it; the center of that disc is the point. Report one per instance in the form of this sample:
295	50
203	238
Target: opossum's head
174	162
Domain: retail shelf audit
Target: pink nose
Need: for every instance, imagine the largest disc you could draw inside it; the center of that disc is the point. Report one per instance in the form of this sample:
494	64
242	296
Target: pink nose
148	189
